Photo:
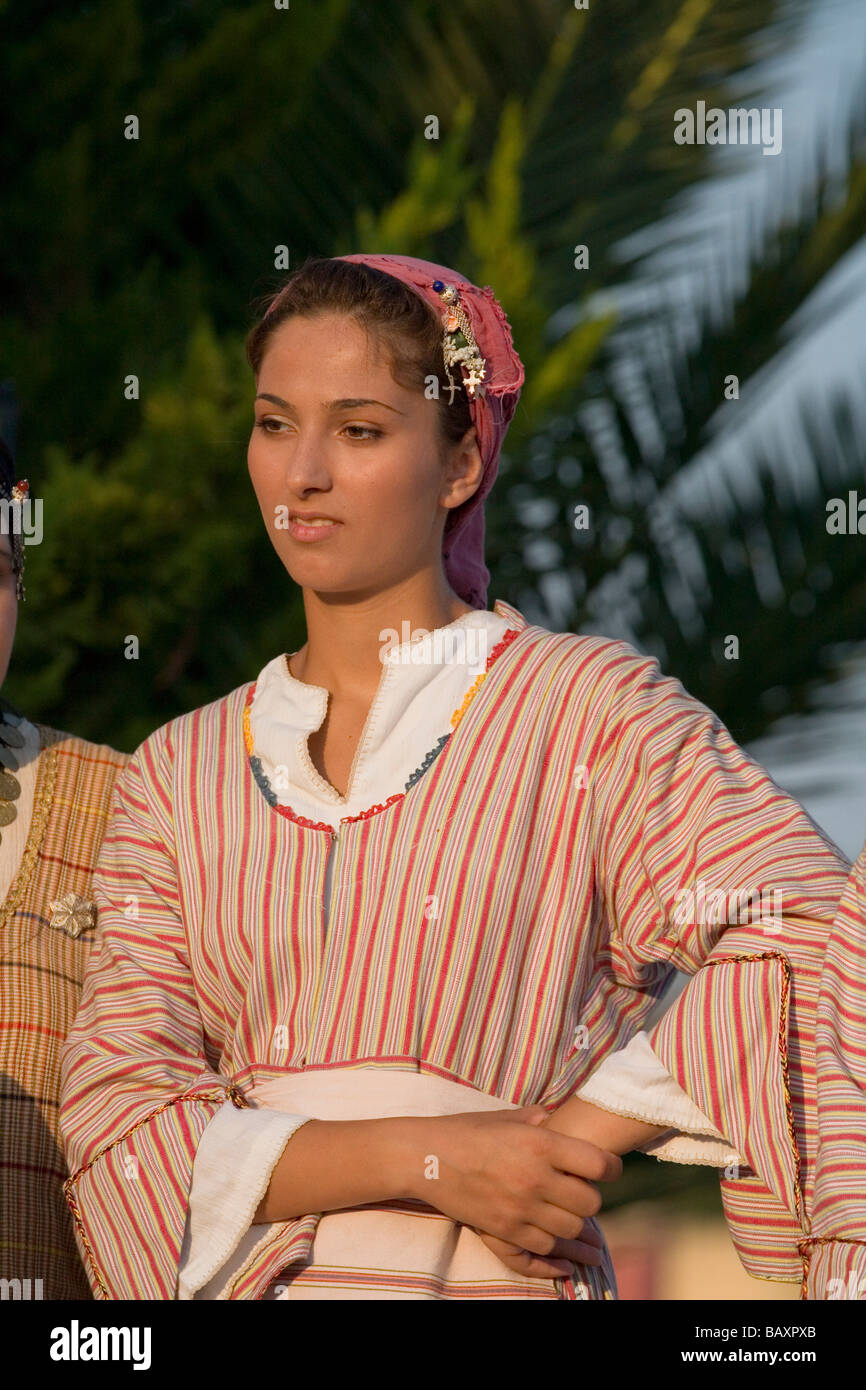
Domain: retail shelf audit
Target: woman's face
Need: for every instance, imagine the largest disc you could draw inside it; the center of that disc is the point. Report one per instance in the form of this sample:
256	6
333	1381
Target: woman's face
336	436
8	605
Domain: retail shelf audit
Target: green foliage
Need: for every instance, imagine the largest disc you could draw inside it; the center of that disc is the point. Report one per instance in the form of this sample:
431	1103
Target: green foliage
162	544
305	128
138	257
678	576
439	179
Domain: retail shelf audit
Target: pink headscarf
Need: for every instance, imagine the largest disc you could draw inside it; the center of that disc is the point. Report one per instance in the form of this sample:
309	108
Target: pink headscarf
491	408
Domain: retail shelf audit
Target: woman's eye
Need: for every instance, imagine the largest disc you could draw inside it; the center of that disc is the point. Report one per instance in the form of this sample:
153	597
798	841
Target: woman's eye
367	430
269	425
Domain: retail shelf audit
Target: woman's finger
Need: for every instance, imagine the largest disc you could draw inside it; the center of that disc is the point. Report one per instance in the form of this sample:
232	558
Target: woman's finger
524	1261
537	1268
578	1251
591	1235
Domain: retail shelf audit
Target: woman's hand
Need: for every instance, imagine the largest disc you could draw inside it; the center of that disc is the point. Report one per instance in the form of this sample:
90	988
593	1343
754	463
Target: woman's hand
558	1264
565	1254
514	1182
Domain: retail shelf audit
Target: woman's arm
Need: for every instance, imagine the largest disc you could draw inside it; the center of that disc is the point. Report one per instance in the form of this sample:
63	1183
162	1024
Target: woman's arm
497	1171
703	863
330	1164
616	1133
137	1088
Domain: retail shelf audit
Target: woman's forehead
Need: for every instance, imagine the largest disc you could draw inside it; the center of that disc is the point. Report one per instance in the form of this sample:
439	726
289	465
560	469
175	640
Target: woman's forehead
327	337
329	366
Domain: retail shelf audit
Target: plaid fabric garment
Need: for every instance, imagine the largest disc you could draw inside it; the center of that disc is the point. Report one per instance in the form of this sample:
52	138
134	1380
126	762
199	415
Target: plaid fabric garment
41	970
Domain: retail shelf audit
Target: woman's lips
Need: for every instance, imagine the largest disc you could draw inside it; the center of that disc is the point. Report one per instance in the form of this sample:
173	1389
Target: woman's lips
307	531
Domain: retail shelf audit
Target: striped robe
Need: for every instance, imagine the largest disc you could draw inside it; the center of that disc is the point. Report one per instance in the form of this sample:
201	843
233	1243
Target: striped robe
581	796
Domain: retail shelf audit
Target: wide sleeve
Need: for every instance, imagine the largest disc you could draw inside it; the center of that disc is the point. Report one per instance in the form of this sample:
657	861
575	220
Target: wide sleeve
136	1088
234	1161
633	1082
836	1248
705	865
139	1087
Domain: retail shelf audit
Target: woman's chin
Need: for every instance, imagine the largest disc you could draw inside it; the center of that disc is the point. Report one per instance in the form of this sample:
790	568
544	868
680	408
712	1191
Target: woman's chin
330	580
333	574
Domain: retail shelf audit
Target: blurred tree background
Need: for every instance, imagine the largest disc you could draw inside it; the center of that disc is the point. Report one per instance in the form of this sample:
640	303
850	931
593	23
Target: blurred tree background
305	128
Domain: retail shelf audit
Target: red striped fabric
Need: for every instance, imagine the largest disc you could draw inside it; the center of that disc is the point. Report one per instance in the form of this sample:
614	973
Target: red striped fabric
523	893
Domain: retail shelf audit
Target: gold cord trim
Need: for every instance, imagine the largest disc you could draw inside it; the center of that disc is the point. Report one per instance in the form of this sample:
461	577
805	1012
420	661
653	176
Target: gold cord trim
68	1187
46	778
806	1252
782	1040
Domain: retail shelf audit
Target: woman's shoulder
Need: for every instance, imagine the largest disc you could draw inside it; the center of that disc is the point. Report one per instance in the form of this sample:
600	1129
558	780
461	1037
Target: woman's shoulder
594	659
608	683
74	746
209	724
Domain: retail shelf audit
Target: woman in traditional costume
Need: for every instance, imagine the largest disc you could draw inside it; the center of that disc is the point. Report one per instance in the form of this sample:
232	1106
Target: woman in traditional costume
378	1019
54	799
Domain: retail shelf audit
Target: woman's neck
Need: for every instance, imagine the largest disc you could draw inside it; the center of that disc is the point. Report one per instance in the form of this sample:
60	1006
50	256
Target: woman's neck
345	640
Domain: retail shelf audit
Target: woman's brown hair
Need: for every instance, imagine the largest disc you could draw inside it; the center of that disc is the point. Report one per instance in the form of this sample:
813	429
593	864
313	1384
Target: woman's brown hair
401	324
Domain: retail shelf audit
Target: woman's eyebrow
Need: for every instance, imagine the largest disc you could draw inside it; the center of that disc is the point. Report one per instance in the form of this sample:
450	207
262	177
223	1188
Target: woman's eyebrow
347	403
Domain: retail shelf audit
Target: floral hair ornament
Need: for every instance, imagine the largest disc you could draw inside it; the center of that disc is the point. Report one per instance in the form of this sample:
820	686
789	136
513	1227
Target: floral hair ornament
477	339
459	347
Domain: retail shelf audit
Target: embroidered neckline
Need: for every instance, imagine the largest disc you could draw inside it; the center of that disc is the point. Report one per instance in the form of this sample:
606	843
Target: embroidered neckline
270	795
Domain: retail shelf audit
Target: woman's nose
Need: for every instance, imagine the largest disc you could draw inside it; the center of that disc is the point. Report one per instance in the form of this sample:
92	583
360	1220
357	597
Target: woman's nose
307	463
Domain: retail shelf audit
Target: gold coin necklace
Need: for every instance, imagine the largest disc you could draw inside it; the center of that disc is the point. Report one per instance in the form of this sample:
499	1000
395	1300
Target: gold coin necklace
10	739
